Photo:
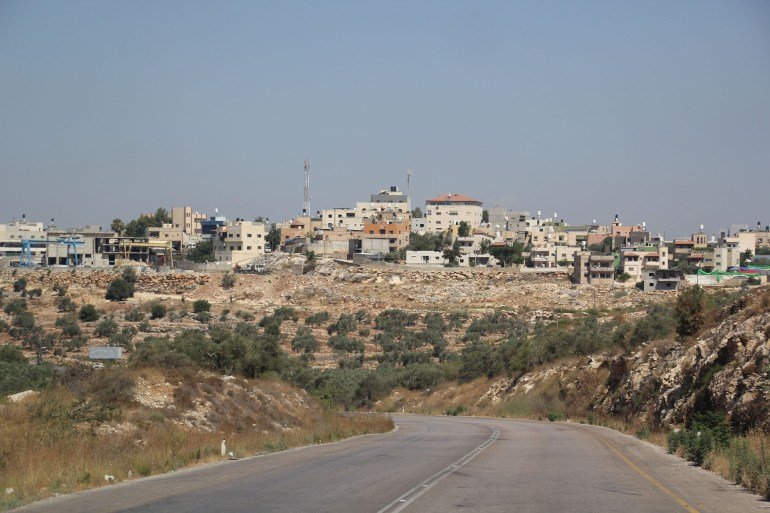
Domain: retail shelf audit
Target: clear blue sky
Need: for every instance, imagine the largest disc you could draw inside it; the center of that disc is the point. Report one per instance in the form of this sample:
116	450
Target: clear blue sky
659	111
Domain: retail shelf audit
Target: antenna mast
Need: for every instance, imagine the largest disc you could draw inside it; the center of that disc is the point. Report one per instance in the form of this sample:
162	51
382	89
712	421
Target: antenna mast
306	203
408	180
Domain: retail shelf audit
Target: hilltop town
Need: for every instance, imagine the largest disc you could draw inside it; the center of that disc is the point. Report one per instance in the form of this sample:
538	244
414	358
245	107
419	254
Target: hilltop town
450	230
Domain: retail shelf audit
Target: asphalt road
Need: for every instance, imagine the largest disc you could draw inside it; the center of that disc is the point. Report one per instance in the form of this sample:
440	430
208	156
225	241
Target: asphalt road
436	464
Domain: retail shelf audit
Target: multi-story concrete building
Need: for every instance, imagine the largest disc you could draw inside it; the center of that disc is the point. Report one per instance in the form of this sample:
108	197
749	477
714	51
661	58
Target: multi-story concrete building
437	259
332	242
341	218
303	227
386	201
451	210
12	235
170	232
634	261
384	238
743	241
239	241
90	247
187	221
551	255
720	258
593	269
661	280
504	220
419	225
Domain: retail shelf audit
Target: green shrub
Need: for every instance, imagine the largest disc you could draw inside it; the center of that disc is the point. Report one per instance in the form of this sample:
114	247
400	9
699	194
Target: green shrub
129	274
11	354
246	316
88	313
317	318
555	416
20	284
286	313
455	410
122	339
344	325
20	376
434	321
15	306
134	315
228	281
69	325
119	290
689	310
344	343
355	361
24	320
201	305
395	320
157	310
33	293
304	341
458	319
65	304
60	289
203	317
75	343
106	328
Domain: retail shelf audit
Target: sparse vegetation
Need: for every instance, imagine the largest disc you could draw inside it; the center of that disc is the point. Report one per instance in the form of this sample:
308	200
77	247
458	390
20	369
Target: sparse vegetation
88	313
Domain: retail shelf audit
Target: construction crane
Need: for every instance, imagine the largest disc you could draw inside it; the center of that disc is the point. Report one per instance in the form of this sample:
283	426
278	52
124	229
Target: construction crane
306	202
25	257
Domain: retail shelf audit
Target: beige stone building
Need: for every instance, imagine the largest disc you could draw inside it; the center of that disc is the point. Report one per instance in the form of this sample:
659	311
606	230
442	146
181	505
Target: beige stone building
593	269
635	261
448	210
169	232
341	218
238	242
188	221
721	258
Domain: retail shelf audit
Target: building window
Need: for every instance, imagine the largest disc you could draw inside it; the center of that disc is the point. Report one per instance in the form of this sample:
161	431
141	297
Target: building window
248	248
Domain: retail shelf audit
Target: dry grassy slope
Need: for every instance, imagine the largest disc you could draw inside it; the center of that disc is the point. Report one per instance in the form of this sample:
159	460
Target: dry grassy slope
726	368
68	438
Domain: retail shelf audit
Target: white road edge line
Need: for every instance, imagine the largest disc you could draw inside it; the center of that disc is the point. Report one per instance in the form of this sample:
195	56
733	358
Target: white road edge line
406	499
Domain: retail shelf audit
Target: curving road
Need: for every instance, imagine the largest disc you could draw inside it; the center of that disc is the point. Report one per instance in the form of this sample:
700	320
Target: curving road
436	464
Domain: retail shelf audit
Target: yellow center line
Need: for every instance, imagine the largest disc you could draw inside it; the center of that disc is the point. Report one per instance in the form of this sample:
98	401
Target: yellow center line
679	500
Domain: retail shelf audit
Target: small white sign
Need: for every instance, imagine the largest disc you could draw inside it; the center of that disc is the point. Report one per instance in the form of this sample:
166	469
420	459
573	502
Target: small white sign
105	353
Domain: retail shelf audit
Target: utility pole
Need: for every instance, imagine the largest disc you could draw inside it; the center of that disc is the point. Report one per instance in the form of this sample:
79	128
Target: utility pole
306	202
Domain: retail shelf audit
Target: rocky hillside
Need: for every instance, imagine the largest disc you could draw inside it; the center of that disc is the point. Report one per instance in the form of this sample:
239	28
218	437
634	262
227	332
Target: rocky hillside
725	368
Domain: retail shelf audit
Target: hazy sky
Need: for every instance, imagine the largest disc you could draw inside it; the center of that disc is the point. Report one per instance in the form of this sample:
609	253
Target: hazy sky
658	111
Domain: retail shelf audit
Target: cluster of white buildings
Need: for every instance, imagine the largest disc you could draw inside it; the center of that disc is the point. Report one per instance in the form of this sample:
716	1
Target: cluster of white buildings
382	227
